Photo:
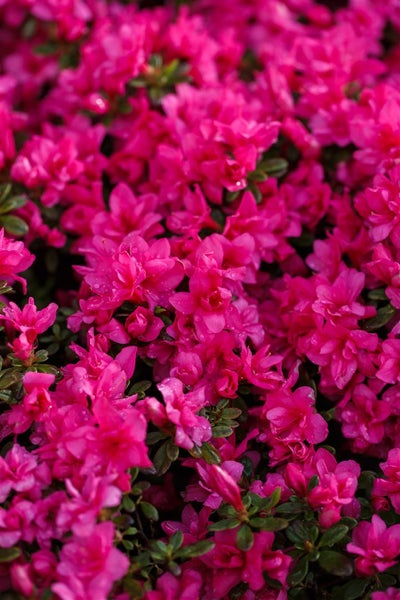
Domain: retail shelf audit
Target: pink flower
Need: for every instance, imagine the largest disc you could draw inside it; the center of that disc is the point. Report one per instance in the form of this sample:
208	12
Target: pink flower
363	418
185	587
208	301
217	479
389	594
292	417
52	165
229	565
376	545
389	361
181	409
143	325
89	566
390	486
17	471
14	258
35	404
337	485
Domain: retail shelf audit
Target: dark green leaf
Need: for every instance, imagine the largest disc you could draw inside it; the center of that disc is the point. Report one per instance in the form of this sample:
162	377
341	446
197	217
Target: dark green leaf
14	225
172	451
224	524
382	317
336	563
45	49
334	535
128	504
5	189
269	523
314	481
352	590
8	377
272	500
154	437
140	387
291	507
12	203
176	540
299	572
299	532
221	431
149	511
174	568
275	167
210	454
232	413
244	538
349	522
193	550
254	189
9	554
161	460
378	294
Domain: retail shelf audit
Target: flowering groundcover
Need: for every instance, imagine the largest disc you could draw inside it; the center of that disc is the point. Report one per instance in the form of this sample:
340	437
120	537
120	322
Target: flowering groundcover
200	286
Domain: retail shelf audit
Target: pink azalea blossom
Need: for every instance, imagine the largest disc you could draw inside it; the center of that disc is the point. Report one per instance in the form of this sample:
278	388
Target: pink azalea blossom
89	566
376	545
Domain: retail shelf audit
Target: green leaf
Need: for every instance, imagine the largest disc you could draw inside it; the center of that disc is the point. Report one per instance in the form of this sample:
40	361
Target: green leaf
8	377
224	524
275	167
197	549
272	500
232	413
154	437
149	511
299	572
140	387
172	451
349	522
45	49
174	568
161	460
314	481
299	532
221	431
5	189
269	523
352	590
9	554
127	544
382	317
128	504
378	294
14	225
176	540
336	563
294	507
254	189
210	454
12	203
334	535
244	538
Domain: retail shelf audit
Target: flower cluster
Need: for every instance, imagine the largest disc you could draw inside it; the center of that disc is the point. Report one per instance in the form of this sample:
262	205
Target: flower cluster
200	361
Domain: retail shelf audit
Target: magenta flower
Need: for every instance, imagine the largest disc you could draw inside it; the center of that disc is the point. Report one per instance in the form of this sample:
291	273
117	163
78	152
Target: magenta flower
292	416
390	486
376	545
181	409
89	566
14	258
229	565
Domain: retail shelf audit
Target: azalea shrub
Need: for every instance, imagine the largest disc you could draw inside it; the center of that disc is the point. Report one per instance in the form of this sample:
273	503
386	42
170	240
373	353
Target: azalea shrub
200	300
